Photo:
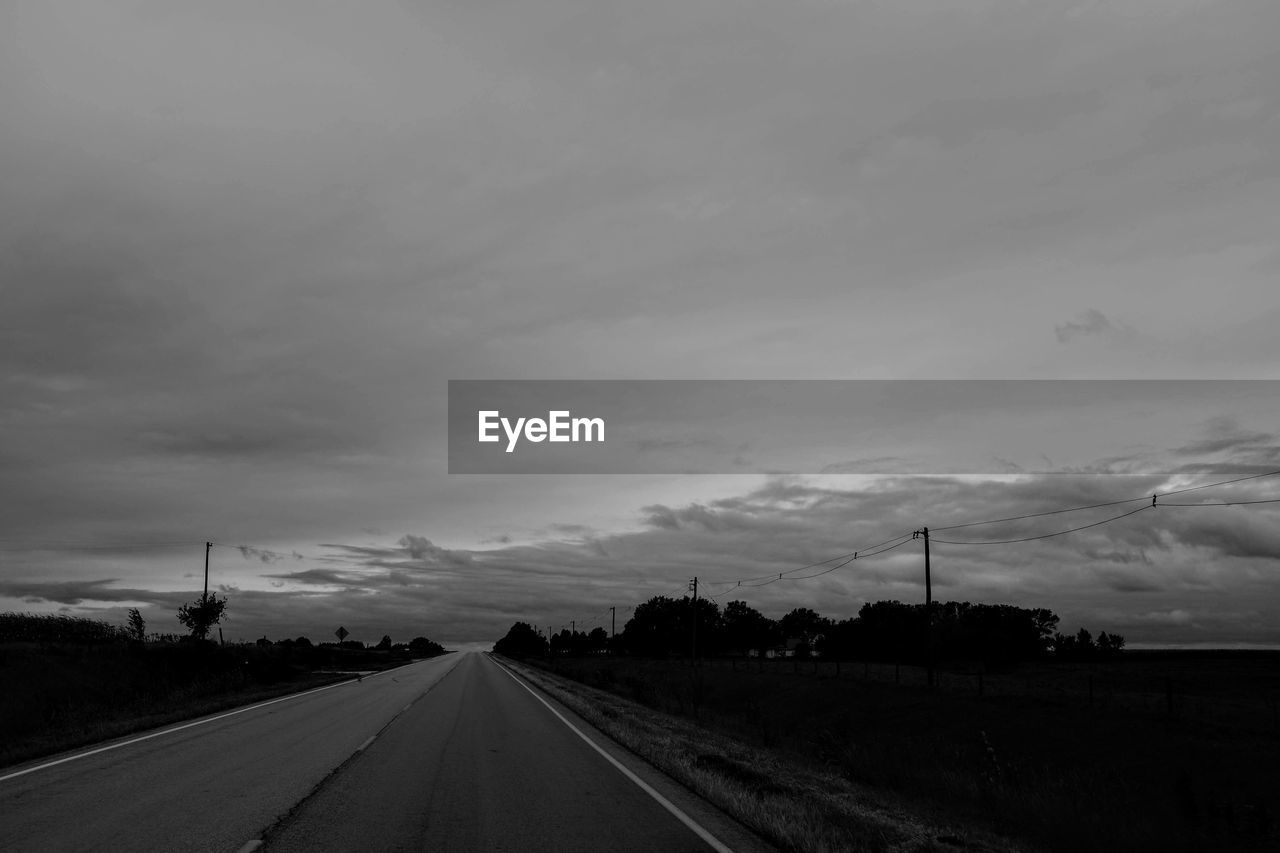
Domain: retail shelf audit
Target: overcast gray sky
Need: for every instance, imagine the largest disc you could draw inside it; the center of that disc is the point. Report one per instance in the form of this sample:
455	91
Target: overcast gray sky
243	248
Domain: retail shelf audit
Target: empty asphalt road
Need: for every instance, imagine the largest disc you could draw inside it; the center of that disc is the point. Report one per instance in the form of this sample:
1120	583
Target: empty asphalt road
449	754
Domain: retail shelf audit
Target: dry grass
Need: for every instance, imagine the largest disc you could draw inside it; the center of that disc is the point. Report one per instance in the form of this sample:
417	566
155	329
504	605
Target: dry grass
792	804
1053	774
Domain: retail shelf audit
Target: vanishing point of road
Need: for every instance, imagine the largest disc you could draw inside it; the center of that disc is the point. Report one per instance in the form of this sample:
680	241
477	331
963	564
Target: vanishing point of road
455	753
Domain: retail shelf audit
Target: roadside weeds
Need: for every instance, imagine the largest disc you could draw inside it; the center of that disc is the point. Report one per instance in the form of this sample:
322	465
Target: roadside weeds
796	807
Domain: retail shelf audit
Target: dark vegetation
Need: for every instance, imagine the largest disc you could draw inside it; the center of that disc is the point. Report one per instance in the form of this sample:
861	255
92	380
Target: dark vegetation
67	681
202	614
1064	741
665	627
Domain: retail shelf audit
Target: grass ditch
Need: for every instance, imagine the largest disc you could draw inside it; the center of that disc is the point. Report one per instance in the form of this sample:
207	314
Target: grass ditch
1054	776
793	804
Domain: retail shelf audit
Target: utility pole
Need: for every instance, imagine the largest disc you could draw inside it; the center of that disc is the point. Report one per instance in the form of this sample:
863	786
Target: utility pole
613	629
928	606
204	599
573	627
694	586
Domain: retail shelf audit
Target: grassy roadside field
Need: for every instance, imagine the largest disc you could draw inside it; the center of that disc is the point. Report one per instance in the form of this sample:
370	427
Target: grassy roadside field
790	802
1055	775
55	697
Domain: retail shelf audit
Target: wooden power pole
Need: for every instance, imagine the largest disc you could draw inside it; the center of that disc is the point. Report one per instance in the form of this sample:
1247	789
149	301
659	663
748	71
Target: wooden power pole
928	609
694	586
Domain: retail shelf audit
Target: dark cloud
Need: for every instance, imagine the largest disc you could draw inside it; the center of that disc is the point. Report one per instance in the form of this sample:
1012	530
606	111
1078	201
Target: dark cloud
321	577
874	465
421	548
1224	434
571	529
364	551
1226	531
1091	322
80	592
249	552
1129	582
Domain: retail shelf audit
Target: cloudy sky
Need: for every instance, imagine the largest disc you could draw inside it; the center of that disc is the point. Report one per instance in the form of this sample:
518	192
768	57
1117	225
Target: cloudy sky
244	247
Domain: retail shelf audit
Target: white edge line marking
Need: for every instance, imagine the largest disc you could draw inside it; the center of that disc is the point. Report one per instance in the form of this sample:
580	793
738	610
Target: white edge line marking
200	722
361	747
250	846
698	830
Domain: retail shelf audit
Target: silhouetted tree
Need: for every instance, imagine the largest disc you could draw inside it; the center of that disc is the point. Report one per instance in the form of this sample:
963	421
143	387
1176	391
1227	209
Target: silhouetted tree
663	626
650	630
137	626
1082	647
384	645
892	630
745	629
844	640
521	641
423	647
806	626
202	614
1110	645
991	632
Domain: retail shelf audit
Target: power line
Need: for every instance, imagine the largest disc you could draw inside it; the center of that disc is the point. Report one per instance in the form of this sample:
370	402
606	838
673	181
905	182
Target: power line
849	557
1115	503
1039	514
1223	483
1230	503
1048	535
847	562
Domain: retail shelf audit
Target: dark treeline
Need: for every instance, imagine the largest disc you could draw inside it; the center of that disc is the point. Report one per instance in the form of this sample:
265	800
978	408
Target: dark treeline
882	631
45	629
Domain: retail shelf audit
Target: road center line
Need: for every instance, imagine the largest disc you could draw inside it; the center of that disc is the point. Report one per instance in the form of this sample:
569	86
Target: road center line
697	828
200	722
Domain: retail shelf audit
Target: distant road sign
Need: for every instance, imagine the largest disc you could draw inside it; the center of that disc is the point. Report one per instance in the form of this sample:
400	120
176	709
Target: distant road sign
342	633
